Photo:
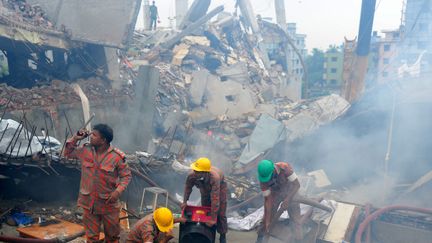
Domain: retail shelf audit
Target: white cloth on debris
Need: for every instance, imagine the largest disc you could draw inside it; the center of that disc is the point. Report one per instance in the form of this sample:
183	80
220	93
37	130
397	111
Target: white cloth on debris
10	142
254	219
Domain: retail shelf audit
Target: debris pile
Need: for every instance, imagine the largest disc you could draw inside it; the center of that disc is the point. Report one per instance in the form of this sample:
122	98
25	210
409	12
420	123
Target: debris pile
59	92
214	88
22	12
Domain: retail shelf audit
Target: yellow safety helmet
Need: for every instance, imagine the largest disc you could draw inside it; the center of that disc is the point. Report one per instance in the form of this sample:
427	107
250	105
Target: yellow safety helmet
201	164
164	219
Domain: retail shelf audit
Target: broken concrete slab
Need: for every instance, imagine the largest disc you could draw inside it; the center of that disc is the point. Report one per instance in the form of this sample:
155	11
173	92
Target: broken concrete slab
202	117
267	133
191	28
198	86
237	72
196	11
228	98
319	112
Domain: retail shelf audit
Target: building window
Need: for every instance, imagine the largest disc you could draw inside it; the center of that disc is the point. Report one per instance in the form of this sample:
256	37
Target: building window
387	47
333	82
334	59
385	74
386	61
333	70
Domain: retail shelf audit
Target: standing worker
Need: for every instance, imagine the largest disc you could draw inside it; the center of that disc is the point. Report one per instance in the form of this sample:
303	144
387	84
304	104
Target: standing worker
213	189
104	176
154	16
279	184
153	228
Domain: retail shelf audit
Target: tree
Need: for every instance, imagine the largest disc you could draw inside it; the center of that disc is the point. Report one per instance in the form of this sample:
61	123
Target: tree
315	67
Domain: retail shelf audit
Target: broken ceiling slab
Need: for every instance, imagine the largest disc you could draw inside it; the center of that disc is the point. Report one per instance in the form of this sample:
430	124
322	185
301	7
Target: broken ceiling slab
19	33
86	20
228	98
237	72
318	113
267	133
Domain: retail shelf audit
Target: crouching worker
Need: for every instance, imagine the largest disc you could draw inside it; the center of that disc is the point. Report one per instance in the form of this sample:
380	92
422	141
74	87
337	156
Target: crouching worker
279	184
153	228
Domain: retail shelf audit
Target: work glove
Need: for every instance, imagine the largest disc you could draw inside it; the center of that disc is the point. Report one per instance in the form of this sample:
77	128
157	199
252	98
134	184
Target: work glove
115	195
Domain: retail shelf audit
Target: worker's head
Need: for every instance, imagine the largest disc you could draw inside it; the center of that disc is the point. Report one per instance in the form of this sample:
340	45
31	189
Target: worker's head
102	134
164	219
154	2
201	165
265	170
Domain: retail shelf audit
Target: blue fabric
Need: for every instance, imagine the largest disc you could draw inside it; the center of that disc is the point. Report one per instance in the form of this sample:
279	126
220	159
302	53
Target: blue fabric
22	219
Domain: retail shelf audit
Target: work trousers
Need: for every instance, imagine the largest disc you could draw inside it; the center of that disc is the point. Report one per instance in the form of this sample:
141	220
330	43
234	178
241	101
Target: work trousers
222	221
111	224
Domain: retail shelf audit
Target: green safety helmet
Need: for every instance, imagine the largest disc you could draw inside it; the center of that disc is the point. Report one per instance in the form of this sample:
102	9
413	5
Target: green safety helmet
265	170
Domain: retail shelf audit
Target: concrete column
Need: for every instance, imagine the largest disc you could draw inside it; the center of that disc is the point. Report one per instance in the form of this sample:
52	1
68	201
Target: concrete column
113	67
281	14
141	117
146	14
181	10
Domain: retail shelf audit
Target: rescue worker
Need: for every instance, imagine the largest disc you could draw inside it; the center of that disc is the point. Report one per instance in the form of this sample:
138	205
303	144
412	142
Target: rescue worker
213	189
279	184
153	228
154	16
104	176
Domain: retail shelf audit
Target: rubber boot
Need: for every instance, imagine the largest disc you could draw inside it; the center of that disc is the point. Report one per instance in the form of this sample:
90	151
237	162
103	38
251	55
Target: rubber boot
222	238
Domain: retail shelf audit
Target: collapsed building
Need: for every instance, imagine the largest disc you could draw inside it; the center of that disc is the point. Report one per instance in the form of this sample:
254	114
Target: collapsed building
208	88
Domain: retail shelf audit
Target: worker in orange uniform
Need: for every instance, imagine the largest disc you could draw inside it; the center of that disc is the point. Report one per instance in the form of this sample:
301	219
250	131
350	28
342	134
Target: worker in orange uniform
104	176
279	184
213	189
153	228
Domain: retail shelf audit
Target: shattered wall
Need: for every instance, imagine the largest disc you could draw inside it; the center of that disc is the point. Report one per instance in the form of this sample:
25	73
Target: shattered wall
89	20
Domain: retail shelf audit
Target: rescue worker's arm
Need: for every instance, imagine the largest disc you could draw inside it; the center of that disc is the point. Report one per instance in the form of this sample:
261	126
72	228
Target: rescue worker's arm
125	176
293	189
188	188
167	238
72	151
268	204
147	234
215	197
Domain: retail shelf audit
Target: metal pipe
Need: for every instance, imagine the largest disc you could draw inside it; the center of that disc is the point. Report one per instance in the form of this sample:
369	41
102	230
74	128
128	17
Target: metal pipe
381	211
30	140
67	121
13	137
7	125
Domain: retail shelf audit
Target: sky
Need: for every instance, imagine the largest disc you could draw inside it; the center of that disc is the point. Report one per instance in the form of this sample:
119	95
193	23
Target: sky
325	22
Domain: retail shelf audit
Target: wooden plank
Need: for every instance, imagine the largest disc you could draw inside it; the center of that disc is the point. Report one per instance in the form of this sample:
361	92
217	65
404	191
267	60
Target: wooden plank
60	230
340	222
